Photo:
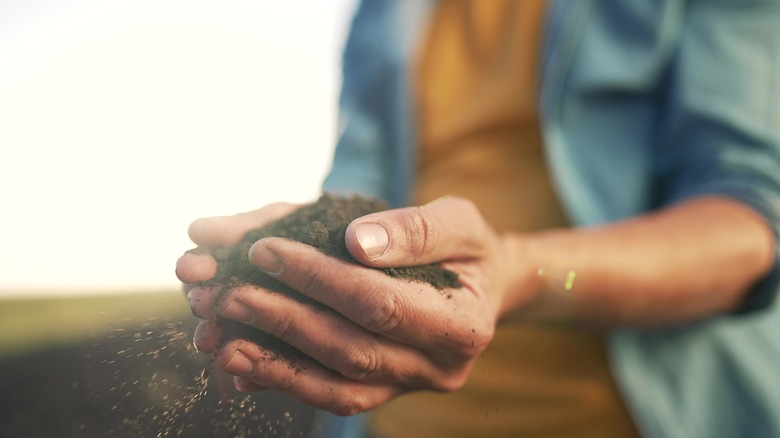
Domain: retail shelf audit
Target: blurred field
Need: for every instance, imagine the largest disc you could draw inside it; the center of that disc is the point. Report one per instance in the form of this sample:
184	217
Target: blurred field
122	365
27	325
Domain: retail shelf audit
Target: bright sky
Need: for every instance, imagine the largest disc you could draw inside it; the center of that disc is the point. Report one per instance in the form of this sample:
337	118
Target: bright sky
121	122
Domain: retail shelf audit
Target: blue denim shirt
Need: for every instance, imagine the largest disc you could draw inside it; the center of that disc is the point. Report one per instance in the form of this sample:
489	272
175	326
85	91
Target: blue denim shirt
643	104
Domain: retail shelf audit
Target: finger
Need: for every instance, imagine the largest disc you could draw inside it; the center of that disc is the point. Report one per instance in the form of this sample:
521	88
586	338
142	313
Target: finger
195	267
301	378
202	299
409	312
207	336
332	340
245	385
228	230
446	229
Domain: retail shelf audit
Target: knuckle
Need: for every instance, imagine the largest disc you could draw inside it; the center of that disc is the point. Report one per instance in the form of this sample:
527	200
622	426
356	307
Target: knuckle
283	328
349	404
382	317
470	214
311	280
420	235
307	281
476	340
467	345
480	343
358	365
285	386
481	335
452	382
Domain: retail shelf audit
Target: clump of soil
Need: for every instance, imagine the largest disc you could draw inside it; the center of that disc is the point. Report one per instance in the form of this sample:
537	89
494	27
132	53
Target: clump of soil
321	225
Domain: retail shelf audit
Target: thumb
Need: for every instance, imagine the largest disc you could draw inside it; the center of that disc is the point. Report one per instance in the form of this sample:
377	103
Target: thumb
229	230
446	229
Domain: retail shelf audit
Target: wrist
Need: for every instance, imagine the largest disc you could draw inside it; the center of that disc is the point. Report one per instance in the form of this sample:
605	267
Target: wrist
521	263
543	285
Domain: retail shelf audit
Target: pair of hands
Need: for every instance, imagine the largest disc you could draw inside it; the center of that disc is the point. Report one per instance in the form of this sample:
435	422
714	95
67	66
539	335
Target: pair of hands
368	337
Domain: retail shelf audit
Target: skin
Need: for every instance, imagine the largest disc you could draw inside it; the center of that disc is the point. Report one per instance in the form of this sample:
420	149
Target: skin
373	337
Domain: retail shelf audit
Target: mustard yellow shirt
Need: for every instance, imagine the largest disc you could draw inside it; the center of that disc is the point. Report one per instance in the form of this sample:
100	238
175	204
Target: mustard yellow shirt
479	139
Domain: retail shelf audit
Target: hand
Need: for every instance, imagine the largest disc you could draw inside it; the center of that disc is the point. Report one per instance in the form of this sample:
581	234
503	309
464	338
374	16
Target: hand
367	337
192	268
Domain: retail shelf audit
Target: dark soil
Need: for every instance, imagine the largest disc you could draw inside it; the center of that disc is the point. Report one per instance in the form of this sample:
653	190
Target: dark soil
321	225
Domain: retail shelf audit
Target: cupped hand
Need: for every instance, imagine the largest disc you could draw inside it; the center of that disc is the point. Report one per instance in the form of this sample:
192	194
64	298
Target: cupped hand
367	337
197	267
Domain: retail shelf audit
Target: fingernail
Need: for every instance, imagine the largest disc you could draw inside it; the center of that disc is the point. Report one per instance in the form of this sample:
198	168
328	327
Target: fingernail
240	364
238	311
201	299
193	307
265	259
372	238
241	384
207	337
194	267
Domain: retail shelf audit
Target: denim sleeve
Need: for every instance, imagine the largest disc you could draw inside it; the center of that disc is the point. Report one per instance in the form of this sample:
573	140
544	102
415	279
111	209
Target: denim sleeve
375	150
722	121
359	162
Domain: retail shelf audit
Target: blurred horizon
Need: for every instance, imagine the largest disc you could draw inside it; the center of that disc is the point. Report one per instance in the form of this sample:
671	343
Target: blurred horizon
120	123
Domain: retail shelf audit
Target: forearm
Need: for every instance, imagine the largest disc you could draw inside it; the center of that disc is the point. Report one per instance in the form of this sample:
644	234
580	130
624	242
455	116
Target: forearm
680	264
